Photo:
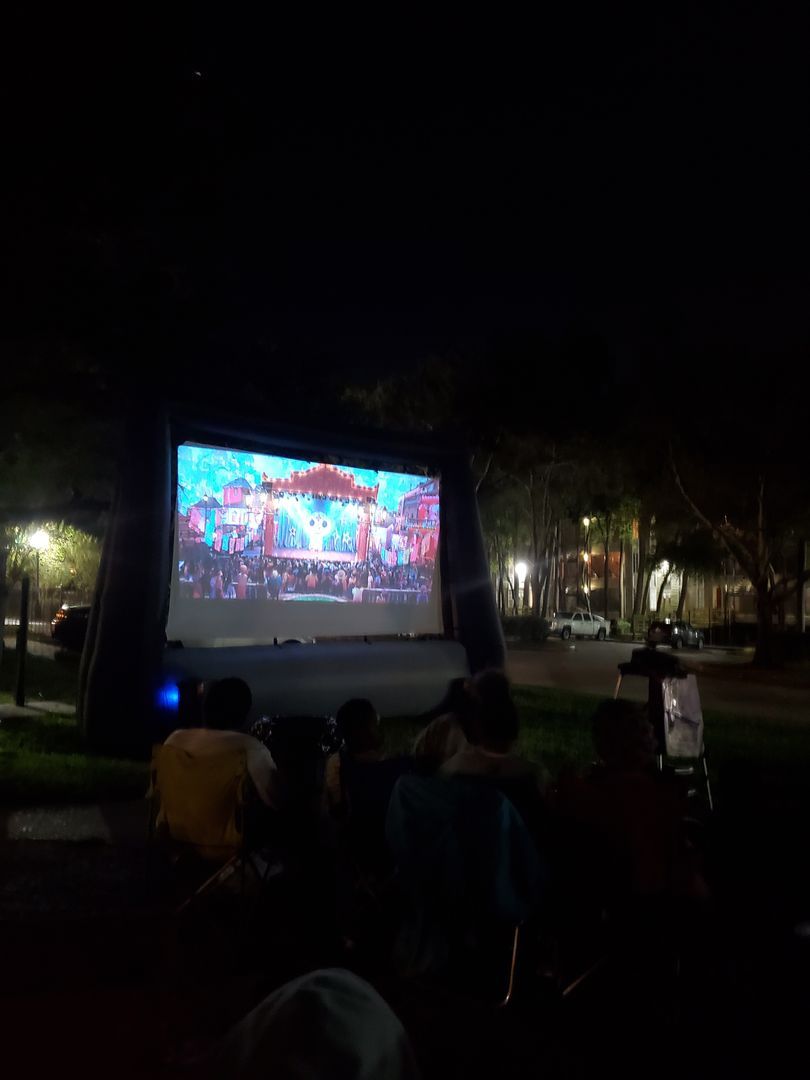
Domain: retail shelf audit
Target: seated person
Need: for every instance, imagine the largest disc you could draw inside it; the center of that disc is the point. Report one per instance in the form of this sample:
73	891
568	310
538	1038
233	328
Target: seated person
633	814
328	1023
493	757
225	712
449	732
359	726
357	790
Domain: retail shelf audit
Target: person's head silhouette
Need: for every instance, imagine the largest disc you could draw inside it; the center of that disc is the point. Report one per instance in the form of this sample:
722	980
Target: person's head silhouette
227	704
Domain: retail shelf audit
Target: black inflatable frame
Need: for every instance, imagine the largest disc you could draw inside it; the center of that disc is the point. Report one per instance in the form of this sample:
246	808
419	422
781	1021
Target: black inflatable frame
122	704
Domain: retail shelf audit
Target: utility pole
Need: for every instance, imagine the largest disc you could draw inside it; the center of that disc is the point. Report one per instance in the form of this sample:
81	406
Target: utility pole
801	593
22	642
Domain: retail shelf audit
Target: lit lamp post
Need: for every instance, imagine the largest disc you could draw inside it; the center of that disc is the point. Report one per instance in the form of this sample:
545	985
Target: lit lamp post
586	563
39	542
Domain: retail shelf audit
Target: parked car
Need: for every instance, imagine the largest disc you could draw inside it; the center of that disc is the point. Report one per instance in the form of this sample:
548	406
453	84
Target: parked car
579	624
69	626
674	632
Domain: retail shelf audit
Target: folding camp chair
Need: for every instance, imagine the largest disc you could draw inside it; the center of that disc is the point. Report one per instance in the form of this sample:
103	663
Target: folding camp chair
469	878
299	745
198	806
675	714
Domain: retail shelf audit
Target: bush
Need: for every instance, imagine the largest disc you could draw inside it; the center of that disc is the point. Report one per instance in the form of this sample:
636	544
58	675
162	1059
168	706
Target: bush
619	628
525	627
792	647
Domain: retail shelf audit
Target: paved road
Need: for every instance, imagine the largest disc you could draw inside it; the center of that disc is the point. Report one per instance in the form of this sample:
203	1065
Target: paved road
592	667
35	626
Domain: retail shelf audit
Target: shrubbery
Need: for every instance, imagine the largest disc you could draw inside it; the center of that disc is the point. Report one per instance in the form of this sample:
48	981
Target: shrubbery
525	627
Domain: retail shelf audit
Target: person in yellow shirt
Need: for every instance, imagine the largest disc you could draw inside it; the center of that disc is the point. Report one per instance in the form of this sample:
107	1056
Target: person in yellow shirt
225	712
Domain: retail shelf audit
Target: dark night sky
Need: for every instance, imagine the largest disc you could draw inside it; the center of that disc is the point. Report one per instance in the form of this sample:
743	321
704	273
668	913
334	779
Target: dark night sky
643	183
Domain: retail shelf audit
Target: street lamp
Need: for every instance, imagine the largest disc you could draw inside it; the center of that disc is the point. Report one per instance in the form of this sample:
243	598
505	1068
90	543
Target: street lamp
39	542
586	559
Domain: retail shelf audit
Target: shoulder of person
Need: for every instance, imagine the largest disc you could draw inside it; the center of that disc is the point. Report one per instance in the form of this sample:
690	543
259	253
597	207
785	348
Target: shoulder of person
185	734
460	760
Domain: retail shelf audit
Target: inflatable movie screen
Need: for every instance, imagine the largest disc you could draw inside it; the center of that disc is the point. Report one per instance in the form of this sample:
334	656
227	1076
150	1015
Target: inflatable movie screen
268	548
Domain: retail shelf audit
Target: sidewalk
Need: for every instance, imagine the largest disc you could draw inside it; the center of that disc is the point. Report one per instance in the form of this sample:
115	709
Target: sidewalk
789	677
35	648
110	823
35	707
72	861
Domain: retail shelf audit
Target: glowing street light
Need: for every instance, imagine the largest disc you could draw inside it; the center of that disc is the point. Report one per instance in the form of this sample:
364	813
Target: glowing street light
586	521
40	541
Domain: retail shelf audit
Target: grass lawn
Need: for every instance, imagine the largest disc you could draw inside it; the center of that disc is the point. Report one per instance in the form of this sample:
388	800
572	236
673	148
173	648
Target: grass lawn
42	758
45	679
758	769
556	729
42	761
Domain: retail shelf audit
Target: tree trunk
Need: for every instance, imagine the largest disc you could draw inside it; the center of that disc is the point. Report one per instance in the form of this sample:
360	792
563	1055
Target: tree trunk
548	579
607	567
682	597
621	578
3	592
645	594
545	586
536	588
661	588
558	576
764	651
643	545
501	576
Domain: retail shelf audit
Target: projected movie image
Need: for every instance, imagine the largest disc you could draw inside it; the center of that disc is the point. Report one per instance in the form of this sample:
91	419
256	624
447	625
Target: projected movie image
257	529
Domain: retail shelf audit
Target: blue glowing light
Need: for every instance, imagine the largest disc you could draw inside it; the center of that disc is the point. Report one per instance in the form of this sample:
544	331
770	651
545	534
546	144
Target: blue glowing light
168	697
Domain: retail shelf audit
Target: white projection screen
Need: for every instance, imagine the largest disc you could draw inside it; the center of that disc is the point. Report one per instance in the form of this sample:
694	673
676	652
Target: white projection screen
271	548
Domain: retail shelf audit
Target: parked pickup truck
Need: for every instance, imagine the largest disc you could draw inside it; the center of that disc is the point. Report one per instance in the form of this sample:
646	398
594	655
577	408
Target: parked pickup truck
579	624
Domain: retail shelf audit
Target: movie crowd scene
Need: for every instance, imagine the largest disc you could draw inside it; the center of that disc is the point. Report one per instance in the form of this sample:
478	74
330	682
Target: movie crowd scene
236	577
413	864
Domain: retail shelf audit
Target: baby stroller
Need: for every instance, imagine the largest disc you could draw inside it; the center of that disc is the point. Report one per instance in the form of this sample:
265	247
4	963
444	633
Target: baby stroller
675	713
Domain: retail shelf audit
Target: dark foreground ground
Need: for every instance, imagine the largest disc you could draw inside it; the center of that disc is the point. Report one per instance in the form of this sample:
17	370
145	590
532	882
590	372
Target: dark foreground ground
98	978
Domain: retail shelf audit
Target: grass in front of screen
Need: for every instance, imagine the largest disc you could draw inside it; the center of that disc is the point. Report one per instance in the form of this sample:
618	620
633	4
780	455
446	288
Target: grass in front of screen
42	757
45	679
556	729
42	761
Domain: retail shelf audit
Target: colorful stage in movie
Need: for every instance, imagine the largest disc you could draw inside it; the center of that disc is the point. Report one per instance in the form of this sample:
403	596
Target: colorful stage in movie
254	526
